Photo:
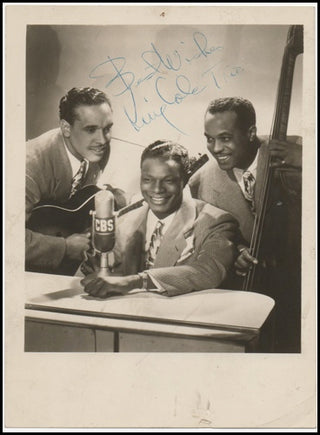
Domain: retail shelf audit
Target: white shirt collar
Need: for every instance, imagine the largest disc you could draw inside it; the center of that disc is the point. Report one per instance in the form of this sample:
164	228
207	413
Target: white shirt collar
152	220
238	173
75	163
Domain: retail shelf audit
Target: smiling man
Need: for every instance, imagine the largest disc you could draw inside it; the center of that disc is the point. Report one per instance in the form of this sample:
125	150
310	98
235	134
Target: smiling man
233	180
173	244
58	164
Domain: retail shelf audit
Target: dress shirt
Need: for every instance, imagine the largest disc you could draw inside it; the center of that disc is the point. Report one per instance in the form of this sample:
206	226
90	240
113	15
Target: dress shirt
74	162
152	220
238	173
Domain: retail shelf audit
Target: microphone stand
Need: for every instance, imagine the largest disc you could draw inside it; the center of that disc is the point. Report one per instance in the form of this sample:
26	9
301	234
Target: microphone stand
104	264
104	269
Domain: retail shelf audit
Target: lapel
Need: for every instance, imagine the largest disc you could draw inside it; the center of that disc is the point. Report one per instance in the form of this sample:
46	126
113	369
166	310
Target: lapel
62	170
131	230
231	198
174	240
222	190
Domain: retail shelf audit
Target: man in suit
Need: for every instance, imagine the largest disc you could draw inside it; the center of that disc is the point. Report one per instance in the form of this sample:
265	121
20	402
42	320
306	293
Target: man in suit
233	181
173	244
60	162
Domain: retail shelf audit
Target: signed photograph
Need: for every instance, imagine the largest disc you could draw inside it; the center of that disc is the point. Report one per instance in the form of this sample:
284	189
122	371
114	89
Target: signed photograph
160	182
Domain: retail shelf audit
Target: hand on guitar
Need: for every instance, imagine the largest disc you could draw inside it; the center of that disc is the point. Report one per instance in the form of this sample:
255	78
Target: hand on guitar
91	264
76	245
244	261
285	153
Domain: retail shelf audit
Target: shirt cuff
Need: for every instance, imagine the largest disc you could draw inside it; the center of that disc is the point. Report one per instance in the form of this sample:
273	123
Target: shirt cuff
158	288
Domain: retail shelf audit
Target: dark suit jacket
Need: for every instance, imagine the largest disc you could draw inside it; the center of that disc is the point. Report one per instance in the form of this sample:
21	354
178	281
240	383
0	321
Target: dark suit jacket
49	179
196	251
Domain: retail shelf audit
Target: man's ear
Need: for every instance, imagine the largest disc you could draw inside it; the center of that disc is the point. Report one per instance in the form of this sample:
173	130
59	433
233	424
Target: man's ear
65	127
252	133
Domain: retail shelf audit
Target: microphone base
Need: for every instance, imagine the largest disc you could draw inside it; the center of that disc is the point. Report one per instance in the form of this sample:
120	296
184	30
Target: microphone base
104	272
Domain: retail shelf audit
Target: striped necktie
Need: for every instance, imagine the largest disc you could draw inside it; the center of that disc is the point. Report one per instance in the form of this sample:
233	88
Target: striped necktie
154	245
78	178
249	182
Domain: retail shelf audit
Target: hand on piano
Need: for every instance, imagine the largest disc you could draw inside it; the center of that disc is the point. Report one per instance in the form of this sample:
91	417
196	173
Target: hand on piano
244	261
107	286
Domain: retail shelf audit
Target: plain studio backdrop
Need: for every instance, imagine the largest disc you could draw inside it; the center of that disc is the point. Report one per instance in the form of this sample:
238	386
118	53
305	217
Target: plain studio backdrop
160	80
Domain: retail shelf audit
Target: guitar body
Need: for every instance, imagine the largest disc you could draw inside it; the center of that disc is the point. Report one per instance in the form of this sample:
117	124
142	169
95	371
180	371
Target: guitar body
62	220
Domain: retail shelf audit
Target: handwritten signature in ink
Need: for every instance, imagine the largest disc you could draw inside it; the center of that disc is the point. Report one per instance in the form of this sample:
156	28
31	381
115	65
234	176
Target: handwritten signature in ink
124	82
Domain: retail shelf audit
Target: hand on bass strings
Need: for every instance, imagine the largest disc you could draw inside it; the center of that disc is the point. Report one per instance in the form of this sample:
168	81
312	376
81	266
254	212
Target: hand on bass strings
285	153
245	261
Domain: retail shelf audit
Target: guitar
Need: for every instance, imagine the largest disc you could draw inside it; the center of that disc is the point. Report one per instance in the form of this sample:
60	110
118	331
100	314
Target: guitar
62	220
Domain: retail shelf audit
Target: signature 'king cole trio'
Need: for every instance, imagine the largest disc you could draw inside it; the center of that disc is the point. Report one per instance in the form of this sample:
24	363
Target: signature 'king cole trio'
230	221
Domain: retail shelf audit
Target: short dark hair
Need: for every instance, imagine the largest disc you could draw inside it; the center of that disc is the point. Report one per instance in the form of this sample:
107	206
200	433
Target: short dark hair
170	151
246	115
78	97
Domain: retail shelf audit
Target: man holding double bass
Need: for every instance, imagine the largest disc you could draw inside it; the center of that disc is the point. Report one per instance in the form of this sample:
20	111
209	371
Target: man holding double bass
234	181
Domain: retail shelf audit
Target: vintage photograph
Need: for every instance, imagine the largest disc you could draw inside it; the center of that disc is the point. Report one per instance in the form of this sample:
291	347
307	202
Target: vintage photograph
164	170
160	239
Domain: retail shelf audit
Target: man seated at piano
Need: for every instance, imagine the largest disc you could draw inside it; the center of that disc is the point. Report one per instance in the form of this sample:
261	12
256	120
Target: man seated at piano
59	163
172	244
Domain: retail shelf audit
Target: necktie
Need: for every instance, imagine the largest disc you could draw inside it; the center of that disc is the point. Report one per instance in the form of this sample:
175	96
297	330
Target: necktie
249	181
78	178
154	245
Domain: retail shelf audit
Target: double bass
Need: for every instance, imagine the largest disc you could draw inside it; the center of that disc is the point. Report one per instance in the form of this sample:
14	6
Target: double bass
276	237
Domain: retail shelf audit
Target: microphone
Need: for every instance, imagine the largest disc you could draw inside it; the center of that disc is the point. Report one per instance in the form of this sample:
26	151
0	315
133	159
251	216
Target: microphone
103	227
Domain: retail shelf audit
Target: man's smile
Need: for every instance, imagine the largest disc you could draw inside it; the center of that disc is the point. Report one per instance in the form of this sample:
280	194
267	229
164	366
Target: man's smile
99	149
159	199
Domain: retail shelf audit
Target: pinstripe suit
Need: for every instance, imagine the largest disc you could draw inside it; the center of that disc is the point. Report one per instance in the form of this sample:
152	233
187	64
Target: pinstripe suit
196	251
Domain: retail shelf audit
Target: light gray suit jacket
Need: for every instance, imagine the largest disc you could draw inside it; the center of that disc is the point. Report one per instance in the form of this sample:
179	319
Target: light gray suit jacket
49	179
220	188
196	252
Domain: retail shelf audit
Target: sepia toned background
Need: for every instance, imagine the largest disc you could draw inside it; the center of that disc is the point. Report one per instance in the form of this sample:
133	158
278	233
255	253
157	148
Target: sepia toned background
216	60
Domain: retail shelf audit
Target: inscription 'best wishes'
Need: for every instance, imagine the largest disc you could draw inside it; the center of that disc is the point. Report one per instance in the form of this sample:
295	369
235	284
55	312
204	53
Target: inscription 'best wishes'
163	69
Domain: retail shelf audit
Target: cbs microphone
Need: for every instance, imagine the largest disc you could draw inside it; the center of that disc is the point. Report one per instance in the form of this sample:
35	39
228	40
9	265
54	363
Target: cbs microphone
103	227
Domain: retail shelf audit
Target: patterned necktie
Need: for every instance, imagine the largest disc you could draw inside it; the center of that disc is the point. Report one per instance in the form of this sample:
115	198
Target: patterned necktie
249	181
154	245
78	178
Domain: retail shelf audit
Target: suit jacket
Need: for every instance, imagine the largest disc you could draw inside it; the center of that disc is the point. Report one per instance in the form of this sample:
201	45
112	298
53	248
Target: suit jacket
48	179
220	188
196	251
